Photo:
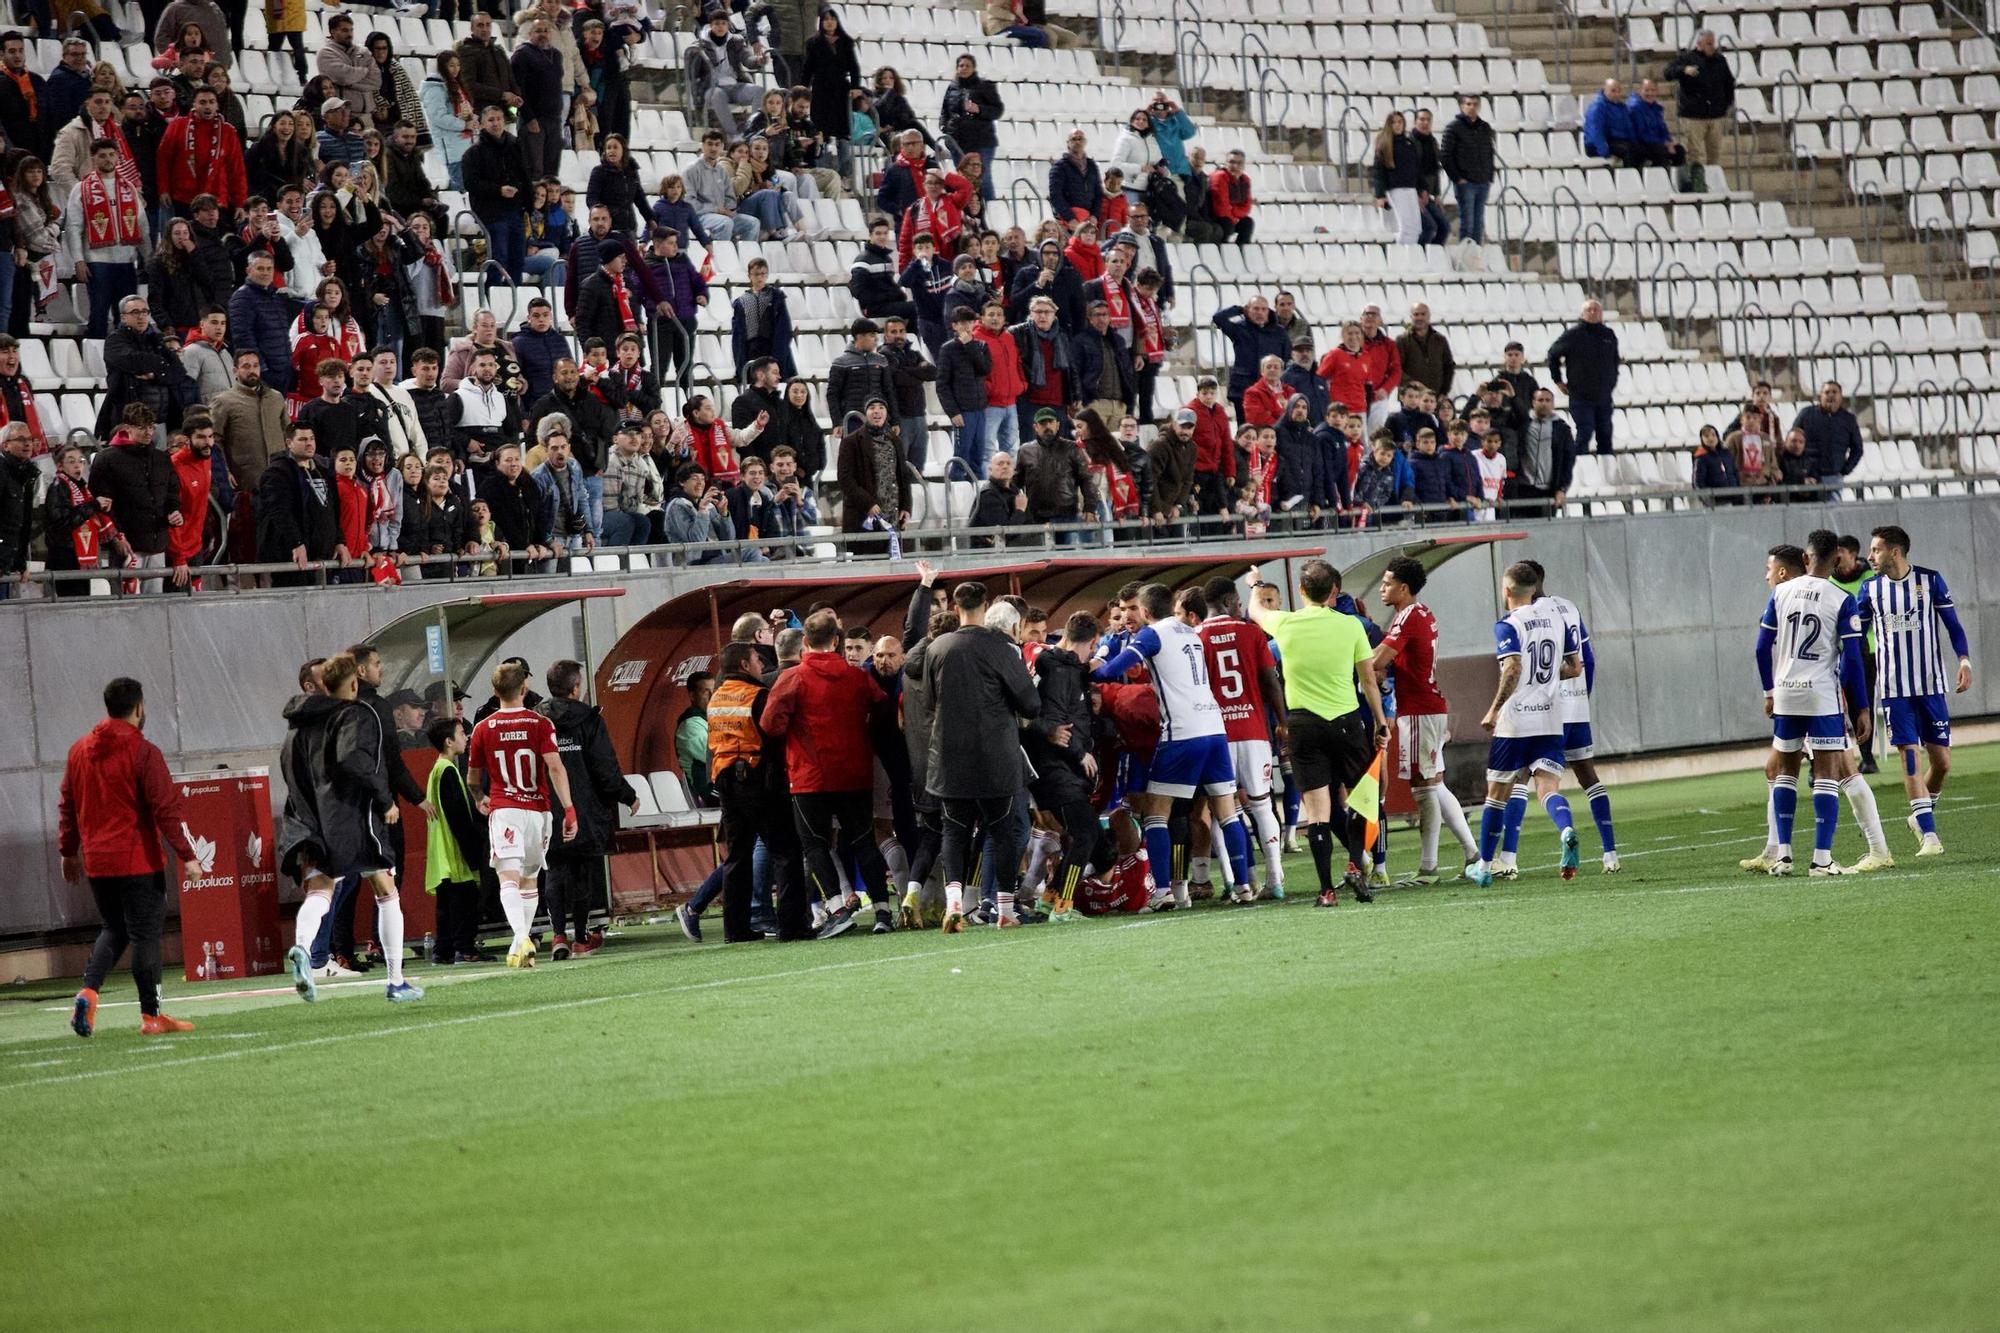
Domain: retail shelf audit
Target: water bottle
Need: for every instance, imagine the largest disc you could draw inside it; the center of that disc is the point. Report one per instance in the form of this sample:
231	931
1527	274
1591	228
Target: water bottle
429	947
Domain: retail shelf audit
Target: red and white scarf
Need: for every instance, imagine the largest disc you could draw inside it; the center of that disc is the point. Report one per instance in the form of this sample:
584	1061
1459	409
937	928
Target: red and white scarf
29	413
443	292
1152	329
1120	308
206	178
128	165
108	221
941	219
624	303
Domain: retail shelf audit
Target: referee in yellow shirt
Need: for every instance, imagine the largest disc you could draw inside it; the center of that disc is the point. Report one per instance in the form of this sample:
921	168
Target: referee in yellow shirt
1324	653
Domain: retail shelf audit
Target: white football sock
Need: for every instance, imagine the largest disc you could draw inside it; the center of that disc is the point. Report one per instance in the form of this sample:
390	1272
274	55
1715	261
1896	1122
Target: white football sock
1771	819
1861	799
1269	838
389	919
520	911
954	898
311	912
1453	816
1197	871
1005	902
1428	820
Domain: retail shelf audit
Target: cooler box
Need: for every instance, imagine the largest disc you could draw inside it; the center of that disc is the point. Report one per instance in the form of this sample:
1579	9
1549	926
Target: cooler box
229	906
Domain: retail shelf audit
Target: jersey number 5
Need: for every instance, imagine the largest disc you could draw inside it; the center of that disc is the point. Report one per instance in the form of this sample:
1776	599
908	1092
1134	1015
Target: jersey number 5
1229	673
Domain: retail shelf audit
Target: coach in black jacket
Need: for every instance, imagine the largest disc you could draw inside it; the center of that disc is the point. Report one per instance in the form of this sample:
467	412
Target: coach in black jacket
597	788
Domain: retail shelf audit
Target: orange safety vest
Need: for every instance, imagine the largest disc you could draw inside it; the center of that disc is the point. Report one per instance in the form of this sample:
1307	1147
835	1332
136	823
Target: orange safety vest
732	731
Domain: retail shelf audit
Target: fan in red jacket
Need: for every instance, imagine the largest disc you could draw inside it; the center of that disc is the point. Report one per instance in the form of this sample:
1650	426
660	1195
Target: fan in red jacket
1214	441
200	154
821	709
1264	401
195	469
939	210
1346	369
116	806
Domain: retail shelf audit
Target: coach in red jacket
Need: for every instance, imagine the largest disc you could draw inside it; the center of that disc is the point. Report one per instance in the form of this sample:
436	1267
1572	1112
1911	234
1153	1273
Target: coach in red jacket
117	805
820	707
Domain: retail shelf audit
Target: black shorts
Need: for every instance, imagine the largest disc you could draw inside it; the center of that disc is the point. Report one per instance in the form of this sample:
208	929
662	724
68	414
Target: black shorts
1328	753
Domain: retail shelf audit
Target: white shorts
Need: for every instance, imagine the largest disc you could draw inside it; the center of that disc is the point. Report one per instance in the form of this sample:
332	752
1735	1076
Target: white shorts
1420	745
520	840
1252	761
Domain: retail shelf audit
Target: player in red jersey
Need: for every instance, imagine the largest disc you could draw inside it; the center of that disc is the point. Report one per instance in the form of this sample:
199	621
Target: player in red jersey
1410	647
1243	674
512	753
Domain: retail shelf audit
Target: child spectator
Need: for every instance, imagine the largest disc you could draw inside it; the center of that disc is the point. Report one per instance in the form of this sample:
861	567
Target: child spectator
484	535
454	843
1116	208
353	513
1384	483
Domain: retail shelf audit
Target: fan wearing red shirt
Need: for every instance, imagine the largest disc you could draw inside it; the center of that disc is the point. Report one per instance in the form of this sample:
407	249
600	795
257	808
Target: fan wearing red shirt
1410	648
511	754
1243	674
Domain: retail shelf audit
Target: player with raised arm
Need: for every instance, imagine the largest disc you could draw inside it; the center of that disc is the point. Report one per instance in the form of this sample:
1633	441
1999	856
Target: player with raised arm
512	753
1905	604
1243	674
1808	651
1331	739
1537	650
1410	648
1193	754
1573	701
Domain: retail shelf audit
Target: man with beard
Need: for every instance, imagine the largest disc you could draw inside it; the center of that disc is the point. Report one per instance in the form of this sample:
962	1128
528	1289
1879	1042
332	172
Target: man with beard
104	228
483	416
406	182
298	510
200	154
194	473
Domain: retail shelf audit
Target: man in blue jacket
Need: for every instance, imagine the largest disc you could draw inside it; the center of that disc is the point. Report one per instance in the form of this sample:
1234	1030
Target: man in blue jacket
1255	334
260	321
537	347
1439	479
1652	145
1607	123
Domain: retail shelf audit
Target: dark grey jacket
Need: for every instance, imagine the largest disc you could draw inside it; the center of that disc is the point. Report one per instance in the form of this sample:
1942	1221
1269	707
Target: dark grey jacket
597	786
1064	685
979	687
853	378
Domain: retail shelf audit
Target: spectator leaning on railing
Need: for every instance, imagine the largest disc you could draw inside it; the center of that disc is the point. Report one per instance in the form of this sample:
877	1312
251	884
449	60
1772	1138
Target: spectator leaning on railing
1833	438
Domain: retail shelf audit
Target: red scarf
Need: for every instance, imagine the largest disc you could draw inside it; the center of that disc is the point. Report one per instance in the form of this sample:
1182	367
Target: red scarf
1152	329
940	219
444	293
1121	309
624	303
206	178
107	221
1115	484
29	413
128	165
26	83
93	532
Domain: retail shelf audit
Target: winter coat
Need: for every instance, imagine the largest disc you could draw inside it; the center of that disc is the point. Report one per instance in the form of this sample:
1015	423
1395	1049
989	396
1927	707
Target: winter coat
1403	169
1214	447
1715	468
1605	122
1833	441
1057	480
597	314
1173	472
1005	383
871	279
1301	466
446	125
18	479
1707	94
854	377
1427	360
1649	121
442	529
353	793
780	333
1091	353
618	189
139	481
1304	380
489	164
821	707
1252	343
1469	151
973	132
517	510
485	72
830	69
1075	192
993	507
118	804
855	470
1585	358
1065	289
1439	478
597	786
908	373
1332	448
979	687
291	513
1063	684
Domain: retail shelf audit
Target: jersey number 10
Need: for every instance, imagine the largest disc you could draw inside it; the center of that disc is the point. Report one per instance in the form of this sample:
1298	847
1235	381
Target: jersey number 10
526	777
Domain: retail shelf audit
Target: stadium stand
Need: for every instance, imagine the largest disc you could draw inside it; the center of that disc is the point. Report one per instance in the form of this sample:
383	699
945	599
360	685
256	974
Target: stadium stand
1883	283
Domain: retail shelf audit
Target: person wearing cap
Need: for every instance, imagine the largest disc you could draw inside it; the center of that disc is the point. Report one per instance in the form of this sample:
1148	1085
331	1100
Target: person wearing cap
529	700
1171	455
443	699
1302	377
858	374
1055	476
407	708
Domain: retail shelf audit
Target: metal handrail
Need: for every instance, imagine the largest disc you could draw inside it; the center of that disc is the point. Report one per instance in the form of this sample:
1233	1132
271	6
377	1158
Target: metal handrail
1637	240
1245	62
1681	325
1583	246
1194	272
1327	127
1513	246
1194	63
1350	168
1871	219
1556	207
1568	21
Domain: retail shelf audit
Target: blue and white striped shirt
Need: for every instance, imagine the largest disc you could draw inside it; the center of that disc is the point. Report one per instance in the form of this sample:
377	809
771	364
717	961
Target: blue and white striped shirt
1905	614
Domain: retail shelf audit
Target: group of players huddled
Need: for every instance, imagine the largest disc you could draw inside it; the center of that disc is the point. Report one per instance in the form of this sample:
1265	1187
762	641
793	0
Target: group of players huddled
1103	768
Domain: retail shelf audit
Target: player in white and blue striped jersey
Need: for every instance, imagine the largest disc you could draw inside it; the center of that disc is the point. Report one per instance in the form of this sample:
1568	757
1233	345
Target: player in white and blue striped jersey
1808	654
1907	606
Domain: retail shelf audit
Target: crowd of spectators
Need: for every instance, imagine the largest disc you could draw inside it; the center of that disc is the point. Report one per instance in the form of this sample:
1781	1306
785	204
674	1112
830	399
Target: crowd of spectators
280	386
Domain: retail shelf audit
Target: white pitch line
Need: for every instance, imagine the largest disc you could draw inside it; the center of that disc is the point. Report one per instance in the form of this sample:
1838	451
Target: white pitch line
525	1011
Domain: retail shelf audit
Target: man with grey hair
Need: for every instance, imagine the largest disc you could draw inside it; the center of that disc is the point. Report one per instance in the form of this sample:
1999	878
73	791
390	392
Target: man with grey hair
1705	100
18	479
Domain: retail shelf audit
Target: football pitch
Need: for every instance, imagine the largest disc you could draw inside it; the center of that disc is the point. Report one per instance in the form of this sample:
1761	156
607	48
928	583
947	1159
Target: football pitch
1682	1097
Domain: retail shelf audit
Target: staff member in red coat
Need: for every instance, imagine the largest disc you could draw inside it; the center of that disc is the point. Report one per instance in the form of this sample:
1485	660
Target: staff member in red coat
821	708
117	805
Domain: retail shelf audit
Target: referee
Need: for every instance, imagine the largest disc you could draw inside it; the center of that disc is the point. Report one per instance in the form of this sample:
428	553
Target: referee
1332	743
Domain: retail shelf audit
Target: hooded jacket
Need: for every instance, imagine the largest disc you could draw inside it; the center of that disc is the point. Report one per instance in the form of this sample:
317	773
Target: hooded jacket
140	482
821	708
1214	449
597	786
335	764
1173	471
979	686
962	371
18	479
118	804
1063	683
855	376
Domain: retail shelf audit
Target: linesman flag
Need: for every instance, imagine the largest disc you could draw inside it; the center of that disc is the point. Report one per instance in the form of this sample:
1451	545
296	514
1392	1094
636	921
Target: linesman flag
1364	798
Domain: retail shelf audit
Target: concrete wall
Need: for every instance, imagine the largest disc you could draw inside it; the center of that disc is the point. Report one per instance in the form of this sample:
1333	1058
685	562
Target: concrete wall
1671	600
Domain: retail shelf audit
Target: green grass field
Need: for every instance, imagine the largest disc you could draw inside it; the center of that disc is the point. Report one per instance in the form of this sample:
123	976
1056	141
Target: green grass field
1681	1098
